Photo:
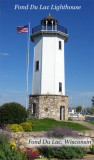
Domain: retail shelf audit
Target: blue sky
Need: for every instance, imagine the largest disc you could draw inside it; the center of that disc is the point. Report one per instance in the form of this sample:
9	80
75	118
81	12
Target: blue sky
79	50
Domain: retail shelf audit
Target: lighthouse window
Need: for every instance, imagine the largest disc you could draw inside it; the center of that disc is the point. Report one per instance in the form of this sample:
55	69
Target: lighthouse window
60	46
37	65
60	87
33	108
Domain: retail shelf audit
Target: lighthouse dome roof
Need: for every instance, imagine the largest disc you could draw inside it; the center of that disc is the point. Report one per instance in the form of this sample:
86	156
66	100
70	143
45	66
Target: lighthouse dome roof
49	19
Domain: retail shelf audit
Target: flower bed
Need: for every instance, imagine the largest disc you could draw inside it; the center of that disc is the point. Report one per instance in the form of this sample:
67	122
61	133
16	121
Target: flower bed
12	151
16	148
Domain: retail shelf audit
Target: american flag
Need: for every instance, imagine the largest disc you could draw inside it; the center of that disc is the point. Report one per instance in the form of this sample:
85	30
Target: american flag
22	29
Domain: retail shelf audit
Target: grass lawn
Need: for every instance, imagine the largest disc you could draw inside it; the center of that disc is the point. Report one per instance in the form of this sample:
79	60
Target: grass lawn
46	124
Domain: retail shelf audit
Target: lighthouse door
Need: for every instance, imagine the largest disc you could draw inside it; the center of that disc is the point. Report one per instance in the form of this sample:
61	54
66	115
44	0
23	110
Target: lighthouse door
62	113
33	109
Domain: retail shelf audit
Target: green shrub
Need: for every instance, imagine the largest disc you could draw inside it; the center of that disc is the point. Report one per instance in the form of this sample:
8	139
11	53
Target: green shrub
63	152
15	128
12	113
26	127
7	153
31	124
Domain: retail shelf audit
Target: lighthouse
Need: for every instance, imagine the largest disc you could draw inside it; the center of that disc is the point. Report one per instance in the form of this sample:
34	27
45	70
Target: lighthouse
48	99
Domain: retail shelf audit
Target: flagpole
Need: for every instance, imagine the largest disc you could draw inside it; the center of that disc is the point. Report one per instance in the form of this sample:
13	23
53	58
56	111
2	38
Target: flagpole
28	42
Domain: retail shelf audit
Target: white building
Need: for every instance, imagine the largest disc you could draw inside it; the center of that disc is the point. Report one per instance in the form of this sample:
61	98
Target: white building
48	65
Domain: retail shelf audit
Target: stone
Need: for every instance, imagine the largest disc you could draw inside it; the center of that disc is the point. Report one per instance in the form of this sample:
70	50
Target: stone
32	134
92	135
80	134
48	106
20	134
17	141
21	146
25	134
15	135
12	140
87	134
22	141
27	146
42	159
12	134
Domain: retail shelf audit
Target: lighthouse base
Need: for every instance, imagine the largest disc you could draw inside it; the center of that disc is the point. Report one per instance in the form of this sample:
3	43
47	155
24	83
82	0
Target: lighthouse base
48	106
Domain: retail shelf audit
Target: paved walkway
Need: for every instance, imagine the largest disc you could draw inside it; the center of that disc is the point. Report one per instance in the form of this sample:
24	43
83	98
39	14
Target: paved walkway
88	157
84	124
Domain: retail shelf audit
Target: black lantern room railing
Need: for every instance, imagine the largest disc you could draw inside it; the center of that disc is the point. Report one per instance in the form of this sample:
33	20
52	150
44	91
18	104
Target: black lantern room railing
55	28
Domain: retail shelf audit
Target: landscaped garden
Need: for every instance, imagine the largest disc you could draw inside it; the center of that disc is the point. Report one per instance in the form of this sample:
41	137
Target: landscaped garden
14	118
9	151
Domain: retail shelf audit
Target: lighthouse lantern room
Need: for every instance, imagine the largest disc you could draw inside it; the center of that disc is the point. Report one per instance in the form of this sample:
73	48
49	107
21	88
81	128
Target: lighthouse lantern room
48	99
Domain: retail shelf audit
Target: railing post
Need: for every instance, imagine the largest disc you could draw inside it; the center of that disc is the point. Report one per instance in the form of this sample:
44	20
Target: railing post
46	25
52	25
42	26
55	26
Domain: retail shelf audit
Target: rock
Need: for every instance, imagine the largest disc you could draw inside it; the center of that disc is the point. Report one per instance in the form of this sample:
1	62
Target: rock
23	141
20	134
21	146
80	134
26	134
87	134
42	159
32	134
92	135
11	140
12	134
15	135
21	138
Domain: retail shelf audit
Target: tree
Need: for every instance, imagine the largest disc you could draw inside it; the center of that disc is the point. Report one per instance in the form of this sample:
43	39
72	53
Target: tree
90	110
78	109
12	113
92	101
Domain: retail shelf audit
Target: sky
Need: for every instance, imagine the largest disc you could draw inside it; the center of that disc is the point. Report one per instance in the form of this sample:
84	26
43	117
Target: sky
79	50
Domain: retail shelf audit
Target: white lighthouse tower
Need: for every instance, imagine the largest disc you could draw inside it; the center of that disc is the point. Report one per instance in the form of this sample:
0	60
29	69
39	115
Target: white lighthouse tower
48	88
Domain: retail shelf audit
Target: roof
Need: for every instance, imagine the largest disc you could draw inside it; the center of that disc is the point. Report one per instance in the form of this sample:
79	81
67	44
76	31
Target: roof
49	18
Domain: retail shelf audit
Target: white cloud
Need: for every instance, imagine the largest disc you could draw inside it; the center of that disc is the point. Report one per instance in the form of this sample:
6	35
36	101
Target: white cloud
4	54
